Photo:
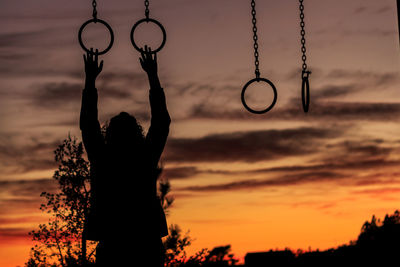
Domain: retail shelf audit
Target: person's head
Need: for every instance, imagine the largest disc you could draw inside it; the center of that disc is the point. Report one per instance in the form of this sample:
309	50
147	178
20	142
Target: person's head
124	131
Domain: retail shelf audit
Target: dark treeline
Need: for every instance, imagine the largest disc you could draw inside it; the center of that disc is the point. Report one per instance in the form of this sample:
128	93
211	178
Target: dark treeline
377	244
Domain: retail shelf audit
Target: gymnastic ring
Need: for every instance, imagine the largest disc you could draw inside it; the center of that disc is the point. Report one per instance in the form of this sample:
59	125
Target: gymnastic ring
147	20
305	94
101	22
273	101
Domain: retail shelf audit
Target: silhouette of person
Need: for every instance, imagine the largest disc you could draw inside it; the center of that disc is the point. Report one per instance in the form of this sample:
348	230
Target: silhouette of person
126	216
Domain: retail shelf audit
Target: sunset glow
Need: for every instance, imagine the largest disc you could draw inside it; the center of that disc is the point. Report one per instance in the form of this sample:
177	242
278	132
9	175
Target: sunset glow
284	179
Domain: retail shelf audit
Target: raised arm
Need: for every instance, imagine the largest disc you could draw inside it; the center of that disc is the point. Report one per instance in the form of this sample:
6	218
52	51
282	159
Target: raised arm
160	119
89	124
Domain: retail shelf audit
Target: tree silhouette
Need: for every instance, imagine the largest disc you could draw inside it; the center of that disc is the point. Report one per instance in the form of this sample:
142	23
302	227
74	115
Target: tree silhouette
175	244
164	187
377	245
219	254
61	242
381	237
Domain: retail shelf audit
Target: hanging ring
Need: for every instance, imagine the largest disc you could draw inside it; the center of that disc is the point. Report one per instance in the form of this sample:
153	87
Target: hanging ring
273	101
147	20
95	20
305	91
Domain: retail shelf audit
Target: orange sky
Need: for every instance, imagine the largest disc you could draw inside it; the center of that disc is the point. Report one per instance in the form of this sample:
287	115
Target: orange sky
284	179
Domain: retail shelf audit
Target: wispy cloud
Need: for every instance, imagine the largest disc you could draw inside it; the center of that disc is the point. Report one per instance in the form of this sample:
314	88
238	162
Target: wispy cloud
250	146
25	189
346	163
254	183
51	95
23	158
329	110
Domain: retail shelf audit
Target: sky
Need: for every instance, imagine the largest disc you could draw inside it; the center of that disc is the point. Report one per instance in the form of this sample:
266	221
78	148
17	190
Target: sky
257	182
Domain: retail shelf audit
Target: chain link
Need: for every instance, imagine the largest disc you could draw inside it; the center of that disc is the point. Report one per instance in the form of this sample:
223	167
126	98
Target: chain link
94	4
255	38
303	38
147	11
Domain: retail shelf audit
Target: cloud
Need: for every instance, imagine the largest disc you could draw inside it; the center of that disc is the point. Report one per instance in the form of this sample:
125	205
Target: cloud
5	220
321	111
378	10
379	191
286	180
328	88
25	189
305	176
186	172
23	197
22	158
326	99
18	39
177	173
360	10
384	9
52	95
367	79
333	91
14	233
347	163
248	146
348	111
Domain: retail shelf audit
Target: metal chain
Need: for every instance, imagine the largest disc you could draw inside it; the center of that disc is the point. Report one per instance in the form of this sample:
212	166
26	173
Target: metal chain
94	4
305	85
147	11
303	34
255	38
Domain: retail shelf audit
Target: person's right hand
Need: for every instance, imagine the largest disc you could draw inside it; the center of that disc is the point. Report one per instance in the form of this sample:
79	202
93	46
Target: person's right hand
92	66
148	61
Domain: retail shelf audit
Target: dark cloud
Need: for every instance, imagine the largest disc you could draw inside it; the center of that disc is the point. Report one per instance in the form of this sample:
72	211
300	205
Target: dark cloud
373	31
334	32
343	82
24	158
366	149
286	180
339	171
379	191
340	163
360	10
17	39
333	91
370	80
180	172
23	196
14	56
380	10
335	164
347	111
248	146
14	233
70	123
25	189
325	99
52	95
313	174
5	220
384	9
331	111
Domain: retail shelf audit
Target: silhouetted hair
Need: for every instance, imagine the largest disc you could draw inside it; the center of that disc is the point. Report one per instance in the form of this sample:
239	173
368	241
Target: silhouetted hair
124	129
